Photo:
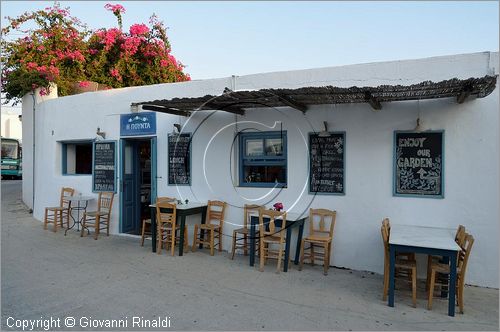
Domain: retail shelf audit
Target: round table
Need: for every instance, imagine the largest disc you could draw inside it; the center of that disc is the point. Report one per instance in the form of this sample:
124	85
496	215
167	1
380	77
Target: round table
82	203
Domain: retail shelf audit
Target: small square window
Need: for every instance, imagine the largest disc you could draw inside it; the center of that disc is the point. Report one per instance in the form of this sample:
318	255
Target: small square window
77	158
263	160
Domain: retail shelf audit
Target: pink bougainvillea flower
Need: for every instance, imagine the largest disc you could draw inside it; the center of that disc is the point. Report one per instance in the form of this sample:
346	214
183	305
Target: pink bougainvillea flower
163	63
115	8
31	65
138	29
83	84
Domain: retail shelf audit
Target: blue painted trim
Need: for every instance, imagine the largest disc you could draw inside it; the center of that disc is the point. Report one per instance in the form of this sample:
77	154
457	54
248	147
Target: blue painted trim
120	191
154	172
262	160
394	152
309	167
116	164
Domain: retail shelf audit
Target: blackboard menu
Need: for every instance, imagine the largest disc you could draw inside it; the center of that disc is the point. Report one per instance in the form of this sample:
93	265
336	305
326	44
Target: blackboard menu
104	170
326	163
418	164
179	159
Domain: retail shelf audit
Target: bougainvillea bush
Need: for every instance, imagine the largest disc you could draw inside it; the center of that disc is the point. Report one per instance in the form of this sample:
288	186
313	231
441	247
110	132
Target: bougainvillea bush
52	51
62	50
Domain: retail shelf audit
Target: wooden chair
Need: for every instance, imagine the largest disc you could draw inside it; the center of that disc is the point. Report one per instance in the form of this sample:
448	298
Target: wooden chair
99	219
271	235
245	231
463	258
167	226
147	221
321	224
212	228
404	263
56	214
459	239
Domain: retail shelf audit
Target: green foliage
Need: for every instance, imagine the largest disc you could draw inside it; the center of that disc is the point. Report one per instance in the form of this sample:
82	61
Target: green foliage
62	50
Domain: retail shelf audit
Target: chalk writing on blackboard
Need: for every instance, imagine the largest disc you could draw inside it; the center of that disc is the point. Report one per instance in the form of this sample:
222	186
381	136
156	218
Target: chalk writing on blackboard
104	171
418	163
179	159
326	163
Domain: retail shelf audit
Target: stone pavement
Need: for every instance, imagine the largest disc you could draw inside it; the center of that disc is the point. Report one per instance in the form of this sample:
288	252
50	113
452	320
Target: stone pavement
46	274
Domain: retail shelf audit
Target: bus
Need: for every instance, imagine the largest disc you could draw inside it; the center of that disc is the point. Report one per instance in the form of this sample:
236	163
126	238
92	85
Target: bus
11	158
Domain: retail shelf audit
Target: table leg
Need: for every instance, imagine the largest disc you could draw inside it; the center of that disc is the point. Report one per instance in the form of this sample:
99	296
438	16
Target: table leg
392	261
78	218
252	239
202	231
299	242
181	235
287	247
153	229
452	285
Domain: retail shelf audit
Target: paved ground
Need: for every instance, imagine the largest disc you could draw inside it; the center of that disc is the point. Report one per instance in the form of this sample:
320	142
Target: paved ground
46	274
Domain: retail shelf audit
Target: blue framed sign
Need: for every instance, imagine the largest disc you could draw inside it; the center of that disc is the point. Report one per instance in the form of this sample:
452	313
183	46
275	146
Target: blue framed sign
419	164
135	124
104	166
179	159
327	164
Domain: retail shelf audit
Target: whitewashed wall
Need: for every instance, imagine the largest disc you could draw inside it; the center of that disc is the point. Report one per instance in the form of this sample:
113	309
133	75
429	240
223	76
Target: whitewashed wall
11	126
471	153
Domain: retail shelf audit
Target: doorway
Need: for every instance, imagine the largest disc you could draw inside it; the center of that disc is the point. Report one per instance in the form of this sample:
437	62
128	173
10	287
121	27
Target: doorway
138	182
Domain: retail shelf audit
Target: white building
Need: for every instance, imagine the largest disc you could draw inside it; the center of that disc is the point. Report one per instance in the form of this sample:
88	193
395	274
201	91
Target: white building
11	122
65	128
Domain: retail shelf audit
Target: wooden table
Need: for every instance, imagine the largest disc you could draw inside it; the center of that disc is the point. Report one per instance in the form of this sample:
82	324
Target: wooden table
425	240
183	210
293	219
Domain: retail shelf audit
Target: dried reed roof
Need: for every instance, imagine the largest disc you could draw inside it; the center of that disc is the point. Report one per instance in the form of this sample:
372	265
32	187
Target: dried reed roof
301	98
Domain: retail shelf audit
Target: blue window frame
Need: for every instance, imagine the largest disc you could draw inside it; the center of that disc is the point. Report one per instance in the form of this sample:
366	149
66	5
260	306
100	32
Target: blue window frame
77	157
263	159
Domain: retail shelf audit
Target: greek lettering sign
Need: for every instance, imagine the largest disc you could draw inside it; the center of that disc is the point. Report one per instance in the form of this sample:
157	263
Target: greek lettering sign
326	164
104	166
179	159
143	123
418	164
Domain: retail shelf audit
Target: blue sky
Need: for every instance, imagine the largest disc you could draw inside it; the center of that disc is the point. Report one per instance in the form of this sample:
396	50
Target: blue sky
218	39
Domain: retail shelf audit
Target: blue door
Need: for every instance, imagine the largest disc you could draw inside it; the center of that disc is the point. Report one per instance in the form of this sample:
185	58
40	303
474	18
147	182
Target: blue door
138	183
128	187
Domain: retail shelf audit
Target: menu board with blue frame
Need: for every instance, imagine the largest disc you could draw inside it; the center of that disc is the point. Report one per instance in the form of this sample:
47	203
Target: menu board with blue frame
418	164
104	166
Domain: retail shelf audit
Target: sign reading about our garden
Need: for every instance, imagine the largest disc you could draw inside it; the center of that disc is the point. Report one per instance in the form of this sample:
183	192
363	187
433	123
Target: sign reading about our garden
418	164
326	163
104	170
179	159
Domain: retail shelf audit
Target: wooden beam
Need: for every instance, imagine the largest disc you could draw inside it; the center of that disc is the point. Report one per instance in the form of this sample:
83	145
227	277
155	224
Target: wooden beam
165	110
293	104
374	103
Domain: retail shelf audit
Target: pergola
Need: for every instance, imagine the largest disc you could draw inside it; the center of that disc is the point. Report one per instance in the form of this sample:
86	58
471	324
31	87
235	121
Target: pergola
301	98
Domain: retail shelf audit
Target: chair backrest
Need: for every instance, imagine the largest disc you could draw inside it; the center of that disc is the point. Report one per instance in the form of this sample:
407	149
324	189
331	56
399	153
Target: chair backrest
215	213
322	221
384	229
460	235
248	210
166	199
66	192
273	228
387	225
463	255
105	202
166	217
